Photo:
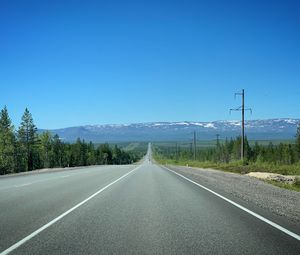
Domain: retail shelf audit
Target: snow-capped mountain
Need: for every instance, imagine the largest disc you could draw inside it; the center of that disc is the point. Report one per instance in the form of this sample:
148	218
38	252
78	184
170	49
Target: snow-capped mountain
166	131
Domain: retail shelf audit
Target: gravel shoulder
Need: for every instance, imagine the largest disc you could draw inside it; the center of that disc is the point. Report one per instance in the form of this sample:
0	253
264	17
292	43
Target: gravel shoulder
279	201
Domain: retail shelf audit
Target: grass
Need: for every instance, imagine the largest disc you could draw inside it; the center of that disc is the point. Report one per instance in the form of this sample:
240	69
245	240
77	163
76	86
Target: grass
293	187
225	167
236	166
240	168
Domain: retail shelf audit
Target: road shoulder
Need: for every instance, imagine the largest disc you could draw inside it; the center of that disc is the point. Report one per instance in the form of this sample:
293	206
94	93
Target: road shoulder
265	198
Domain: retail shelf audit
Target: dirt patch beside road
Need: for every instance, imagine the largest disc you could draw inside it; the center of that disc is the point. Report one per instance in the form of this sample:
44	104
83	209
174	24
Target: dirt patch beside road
289	179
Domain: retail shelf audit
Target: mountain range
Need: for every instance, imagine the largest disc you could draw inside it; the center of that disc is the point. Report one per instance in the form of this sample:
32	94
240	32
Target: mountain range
268	129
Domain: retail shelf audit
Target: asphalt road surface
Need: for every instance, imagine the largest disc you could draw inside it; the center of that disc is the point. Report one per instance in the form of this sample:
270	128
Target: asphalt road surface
134	209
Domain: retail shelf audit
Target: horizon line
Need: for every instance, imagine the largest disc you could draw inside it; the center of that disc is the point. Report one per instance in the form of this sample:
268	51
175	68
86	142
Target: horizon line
149	122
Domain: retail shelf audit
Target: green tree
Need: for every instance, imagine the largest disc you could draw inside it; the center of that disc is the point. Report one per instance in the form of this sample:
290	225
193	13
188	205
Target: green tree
30	151
91	158
226	151
79	153
116	155
236	150
83	153
57	147
248	150
7	143
46	149
256	151
27	136
106	154
269	154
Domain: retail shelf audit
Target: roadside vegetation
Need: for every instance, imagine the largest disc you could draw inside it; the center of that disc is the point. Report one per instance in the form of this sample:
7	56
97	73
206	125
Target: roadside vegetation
136	148
294	187
25	150
281	158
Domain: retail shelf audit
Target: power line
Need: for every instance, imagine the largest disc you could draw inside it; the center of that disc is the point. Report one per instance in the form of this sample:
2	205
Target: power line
242	108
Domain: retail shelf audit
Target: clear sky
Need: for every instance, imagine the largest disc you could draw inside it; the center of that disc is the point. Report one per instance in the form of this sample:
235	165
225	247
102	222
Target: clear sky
93	62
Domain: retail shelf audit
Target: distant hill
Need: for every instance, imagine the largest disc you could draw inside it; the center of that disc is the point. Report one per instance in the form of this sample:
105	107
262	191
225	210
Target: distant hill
269	129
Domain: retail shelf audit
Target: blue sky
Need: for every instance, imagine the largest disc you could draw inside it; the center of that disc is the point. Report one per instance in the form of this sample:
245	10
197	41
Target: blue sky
92	62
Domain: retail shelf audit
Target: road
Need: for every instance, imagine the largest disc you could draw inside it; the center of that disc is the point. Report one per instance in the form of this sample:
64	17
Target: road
133	209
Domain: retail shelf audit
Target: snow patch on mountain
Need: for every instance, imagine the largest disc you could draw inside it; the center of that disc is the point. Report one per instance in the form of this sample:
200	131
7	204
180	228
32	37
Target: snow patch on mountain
181	130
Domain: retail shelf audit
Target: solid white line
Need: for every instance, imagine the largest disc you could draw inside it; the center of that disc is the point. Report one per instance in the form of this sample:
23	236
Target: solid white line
33	234
273	224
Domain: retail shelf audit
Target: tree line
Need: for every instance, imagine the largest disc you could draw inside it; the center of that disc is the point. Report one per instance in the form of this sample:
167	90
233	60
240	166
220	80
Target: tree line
26	150
230	150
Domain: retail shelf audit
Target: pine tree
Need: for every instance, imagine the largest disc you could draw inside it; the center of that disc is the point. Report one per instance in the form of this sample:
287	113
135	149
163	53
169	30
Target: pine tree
83	153
116	155
227	151
236	153
7	143
91	158
269	155
256	151
290	154
45	149
57	151
248	150
76	153
27	136
106	154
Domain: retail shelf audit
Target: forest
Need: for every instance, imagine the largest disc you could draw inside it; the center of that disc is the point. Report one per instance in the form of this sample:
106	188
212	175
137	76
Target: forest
282	158
25	149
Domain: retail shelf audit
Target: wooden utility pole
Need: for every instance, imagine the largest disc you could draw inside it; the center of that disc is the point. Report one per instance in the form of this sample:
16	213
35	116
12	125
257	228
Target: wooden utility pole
195	145
242	108
243	126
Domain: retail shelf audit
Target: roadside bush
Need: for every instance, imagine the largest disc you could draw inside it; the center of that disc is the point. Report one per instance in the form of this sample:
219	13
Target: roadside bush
297	181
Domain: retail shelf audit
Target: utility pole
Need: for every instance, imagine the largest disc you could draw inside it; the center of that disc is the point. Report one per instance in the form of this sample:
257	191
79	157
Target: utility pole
195	145
218	140
242	108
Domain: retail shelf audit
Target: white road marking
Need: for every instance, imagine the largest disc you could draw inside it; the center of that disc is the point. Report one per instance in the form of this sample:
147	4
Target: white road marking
56	177
273	224
22	185
33	234
29	183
